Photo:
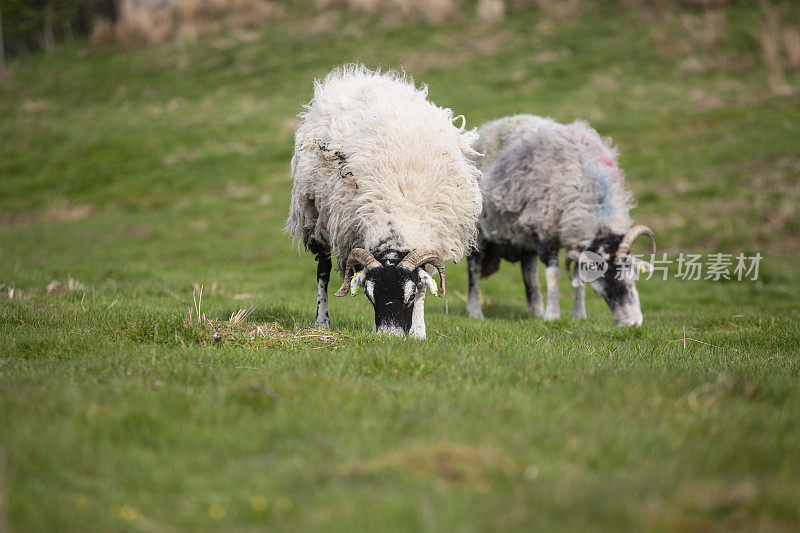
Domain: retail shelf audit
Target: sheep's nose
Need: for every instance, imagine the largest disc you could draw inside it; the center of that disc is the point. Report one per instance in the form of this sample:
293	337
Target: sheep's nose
631	322
391	330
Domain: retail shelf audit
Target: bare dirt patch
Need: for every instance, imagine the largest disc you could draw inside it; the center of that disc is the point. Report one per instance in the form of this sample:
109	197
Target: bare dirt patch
56	213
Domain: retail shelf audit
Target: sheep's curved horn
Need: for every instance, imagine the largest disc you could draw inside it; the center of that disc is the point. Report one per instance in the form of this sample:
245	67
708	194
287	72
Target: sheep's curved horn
627	241
418	258
573	258
358	256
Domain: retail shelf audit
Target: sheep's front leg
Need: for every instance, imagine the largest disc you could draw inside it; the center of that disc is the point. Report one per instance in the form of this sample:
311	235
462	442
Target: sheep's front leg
579	307
417	330
530	276
474	263
323	256
552	275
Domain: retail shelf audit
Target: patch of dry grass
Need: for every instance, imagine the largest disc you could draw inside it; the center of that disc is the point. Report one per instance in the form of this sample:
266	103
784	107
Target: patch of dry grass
263	335
238	331
447	462
461	52
791	44
58	288
59	212
12	293
694	36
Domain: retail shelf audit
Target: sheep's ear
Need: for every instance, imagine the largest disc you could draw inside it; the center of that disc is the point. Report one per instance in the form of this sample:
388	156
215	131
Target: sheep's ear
642	267
429	282
357	283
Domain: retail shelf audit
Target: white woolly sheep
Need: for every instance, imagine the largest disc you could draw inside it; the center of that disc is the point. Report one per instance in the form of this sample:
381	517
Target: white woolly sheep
548	186
381	178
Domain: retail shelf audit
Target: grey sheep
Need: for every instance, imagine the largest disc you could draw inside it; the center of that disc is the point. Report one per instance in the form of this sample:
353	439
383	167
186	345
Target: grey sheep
548	186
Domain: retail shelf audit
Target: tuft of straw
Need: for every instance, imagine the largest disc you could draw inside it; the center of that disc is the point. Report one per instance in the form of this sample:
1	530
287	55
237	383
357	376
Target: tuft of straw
242	315
57	288
237	331
12	293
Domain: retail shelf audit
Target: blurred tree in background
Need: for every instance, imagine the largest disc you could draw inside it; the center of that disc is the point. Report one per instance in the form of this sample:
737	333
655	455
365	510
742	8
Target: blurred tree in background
30	25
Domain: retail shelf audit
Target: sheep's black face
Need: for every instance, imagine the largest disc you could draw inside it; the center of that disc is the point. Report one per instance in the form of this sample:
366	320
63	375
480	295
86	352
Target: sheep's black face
617	285
618	288
392	292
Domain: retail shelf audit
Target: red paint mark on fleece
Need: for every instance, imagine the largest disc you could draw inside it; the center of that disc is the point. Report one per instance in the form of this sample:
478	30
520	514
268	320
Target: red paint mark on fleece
603	157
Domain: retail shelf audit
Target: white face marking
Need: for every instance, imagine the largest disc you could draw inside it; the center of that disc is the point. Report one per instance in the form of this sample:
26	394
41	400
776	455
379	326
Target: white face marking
629	313
408	290
370	290
625	313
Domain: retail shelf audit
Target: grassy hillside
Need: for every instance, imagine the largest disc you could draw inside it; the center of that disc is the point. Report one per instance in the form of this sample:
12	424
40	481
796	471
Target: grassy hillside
142	176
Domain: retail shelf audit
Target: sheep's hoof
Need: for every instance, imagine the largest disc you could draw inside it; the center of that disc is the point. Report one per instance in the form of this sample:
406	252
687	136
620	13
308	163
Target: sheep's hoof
475	313
417	334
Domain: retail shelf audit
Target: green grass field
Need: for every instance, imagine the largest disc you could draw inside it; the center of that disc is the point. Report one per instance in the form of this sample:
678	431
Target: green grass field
145	175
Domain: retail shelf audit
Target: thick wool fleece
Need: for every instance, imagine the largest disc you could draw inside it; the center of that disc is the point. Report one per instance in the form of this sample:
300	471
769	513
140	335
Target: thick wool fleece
559	183
376	165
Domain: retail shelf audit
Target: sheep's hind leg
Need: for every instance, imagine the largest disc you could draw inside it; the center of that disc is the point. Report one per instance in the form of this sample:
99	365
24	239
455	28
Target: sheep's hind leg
474	263
323	256
579	307
553	277
530	276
